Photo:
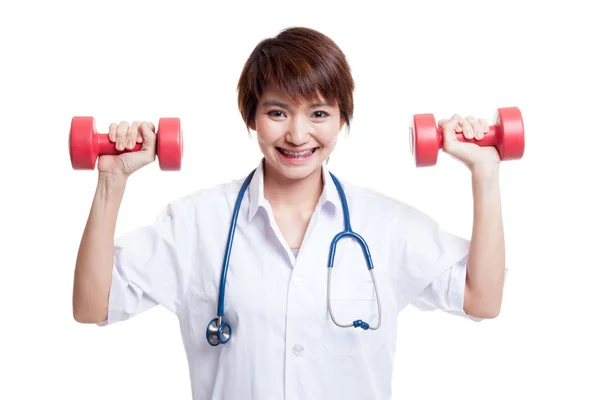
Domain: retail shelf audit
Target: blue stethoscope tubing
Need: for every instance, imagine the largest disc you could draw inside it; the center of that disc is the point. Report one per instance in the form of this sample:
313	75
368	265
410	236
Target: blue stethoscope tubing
219	332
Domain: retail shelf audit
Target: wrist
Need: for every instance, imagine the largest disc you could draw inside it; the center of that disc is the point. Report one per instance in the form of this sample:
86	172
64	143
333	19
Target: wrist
111	185
111	178
485	179
485	171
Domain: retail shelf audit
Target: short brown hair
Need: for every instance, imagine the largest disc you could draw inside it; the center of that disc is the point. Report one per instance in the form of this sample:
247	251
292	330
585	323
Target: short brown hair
302	63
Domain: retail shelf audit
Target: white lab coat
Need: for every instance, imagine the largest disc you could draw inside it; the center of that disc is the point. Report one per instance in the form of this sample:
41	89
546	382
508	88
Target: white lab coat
284	344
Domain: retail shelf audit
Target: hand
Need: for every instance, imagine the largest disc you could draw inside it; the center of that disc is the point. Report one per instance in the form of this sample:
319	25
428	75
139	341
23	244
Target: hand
470	154
126	137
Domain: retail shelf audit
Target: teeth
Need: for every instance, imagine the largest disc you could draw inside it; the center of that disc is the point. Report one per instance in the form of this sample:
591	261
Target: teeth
297	154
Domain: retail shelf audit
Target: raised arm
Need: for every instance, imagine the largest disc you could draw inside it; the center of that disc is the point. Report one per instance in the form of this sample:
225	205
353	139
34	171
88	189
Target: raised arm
486	265
94	263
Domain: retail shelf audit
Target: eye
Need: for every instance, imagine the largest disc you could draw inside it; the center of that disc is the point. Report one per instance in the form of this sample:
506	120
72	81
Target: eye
323	113
276	113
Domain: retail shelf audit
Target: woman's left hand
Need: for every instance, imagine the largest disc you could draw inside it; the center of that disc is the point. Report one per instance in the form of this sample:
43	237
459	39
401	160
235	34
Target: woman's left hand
470	154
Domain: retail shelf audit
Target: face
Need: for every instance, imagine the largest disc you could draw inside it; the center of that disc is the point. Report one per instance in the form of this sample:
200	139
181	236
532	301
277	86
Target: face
295	138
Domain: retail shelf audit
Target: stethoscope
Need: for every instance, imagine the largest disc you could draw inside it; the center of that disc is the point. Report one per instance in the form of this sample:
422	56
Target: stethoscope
219	332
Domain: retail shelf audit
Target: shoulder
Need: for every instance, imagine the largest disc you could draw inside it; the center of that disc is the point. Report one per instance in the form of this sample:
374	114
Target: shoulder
376	204
217	197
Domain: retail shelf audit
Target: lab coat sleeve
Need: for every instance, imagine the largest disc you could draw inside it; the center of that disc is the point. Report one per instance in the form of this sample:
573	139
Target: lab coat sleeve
446	292
430	268
150	266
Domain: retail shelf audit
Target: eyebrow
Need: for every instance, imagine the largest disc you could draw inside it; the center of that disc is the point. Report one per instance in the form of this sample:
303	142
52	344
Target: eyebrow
285	106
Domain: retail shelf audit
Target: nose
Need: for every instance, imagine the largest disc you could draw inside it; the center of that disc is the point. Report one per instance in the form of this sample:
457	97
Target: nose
298	131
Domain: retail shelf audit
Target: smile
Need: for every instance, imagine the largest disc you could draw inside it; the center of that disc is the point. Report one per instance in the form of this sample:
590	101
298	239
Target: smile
296	154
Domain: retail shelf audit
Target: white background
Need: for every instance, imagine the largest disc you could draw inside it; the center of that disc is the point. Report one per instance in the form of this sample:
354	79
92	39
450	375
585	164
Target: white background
127	60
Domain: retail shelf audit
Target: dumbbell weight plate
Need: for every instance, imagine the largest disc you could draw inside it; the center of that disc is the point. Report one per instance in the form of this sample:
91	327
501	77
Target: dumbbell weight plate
169	144
511	133
424	140
82	149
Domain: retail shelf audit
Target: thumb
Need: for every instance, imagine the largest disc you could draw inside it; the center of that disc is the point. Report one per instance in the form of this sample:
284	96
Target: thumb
149	136
449	128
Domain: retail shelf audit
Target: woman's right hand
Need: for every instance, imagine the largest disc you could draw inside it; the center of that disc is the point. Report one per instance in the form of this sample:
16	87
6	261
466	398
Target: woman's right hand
125	137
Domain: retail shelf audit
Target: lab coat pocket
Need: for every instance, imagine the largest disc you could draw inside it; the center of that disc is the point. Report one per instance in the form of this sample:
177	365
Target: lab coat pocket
351	300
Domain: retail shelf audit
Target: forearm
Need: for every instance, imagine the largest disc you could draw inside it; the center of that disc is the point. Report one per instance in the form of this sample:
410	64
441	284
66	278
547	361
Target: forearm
485	268
93	268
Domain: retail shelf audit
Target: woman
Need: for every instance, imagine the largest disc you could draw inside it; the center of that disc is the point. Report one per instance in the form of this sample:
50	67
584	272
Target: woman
279	336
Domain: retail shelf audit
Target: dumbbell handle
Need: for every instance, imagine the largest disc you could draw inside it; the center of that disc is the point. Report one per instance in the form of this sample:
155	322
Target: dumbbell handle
489	138
106	147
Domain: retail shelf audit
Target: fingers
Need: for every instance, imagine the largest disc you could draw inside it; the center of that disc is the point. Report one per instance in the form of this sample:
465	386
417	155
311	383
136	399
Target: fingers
126	136
121	134
475	129
132	134
471	127
139	138
112	132
484	124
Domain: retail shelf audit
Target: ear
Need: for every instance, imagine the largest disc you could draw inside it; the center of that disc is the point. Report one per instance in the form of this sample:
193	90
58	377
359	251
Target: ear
342	122
252	124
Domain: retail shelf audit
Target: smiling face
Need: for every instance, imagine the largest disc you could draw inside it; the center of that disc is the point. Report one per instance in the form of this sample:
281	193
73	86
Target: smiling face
296	91
295	138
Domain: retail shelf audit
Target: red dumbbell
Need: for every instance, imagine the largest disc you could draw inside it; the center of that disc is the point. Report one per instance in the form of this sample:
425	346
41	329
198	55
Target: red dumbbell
85	144
507	134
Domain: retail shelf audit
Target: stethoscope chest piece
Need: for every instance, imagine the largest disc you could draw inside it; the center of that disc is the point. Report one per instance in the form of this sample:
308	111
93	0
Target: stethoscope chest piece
218	332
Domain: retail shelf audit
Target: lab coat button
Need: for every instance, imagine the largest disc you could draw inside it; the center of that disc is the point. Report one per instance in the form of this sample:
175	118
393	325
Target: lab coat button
298	349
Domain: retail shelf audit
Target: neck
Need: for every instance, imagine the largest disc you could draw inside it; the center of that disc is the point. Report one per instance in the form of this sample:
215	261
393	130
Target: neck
285	193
